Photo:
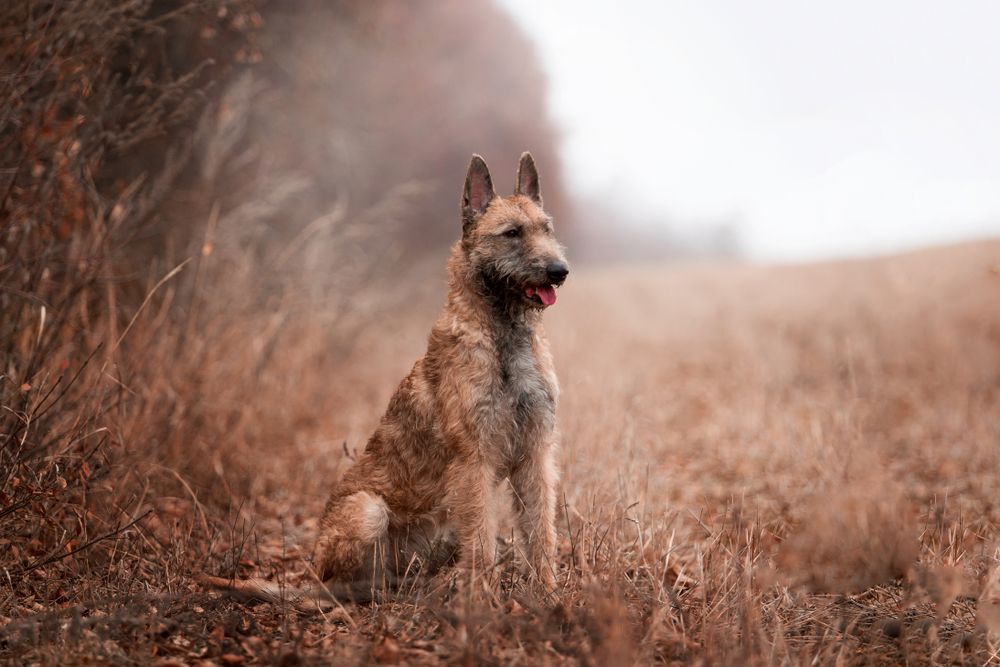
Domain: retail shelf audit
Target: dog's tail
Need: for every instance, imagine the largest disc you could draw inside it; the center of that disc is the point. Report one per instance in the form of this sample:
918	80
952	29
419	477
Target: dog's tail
321	595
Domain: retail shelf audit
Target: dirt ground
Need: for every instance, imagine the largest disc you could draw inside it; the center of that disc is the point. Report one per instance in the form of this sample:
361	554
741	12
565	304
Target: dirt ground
762	464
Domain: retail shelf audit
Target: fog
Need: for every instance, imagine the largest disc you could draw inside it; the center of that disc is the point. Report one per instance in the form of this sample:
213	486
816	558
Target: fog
815	131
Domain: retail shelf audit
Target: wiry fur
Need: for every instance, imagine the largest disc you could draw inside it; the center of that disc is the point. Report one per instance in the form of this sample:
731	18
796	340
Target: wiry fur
477	410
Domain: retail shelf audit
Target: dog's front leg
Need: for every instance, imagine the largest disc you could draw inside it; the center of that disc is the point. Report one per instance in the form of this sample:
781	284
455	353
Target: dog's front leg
534	483
471	500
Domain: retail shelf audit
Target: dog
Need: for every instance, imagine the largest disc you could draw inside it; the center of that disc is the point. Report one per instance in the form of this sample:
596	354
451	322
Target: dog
476	412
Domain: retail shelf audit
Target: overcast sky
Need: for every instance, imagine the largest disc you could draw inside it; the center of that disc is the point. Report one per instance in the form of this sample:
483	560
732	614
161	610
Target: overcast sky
823	129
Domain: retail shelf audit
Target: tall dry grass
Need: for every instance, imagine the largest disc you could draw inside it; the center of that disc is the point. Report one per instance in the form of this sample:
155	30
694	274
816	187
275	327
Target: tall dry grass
205	311
762	465
806	455
86	85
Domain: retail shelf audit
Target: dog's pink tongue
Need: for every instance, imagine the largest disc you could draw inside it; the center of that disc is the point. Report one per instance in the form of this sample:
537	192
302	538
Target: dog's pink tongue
547	294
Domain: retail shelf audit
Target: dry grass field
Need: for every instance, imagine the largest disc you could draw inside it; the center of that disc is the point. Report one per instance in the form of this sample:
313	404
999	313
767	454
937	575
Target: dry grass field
763	465
217	262
775	449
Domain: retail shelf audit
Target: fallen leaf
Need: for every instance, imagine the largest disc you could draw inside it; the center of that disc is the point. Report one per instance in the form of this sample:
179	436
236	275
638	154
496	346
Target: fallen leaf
514	608
386	651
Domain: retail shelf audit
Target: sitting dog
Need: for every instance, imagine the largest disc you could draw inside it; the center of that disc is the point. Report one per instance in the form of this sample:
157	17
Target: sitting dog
476	411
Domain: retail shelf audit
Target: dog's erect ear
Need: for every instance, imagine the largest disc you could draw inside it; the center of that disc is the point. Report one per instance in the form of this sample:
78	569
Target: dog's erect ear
527	179
478	190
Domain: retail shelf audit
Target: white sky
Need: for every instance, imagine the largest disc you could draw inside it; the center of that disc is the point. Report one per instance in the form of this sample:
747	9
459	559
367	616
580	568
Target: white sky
823	129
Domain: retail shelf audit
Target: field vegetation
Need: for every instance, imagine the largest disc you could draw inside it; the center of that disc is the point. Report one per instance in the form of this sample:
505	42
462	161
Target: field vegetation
223	228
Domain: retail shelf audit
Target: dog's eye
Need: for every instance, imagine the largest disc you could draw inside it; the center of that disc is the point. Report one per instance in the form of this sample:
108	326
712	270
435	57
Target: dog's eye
513	233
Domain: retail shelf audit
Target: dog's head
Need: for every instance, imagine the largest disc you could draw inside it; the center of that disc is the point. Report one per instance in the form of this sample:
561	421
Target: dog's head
509	242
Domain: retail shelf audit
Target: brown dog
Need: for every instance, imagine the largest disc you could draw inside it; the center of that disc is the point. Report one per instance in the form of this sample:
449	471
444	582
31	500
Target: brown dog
478	409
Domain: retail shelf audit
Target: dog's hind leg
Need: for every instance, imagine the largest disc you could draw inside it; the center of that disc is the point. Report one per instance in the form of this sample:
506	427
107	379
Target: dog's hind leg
351	530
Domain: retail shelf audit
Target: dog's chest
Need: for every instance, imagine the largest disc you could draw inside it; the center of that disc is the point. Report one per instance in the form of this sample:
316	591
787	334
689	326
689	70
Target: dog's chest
525	396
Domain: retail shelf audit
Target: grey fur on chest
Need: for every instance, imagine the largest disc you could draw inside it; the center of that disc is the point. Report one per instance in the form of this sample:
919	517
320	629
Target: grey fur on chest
524	394
520	373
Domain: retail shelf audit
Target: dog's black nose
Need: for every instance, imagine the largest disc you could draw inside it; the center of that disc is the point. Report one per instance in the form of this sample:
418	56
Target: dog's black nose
557	271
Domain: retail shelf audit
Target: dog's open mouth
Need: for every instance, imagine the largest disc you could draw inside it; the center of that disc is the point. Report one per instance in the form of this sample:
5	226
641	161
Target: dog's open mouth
543	294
